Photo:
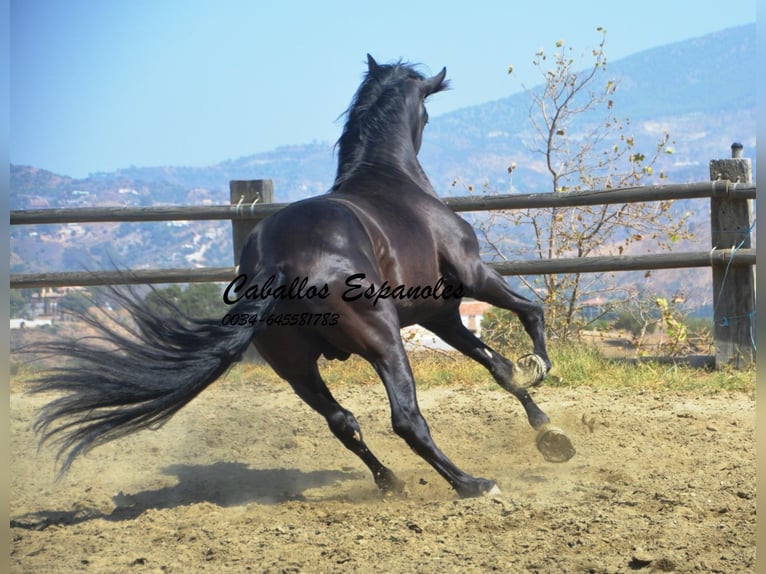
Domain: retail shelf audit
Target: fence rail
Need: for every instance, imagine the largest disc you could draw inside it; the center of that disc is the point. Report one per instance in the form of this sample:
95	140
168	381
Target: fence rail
258	211
732	257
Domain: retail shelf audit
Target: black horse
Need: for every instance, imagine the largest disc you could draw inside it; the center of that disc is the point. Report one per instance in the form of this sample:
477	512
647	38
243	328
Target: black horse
334	275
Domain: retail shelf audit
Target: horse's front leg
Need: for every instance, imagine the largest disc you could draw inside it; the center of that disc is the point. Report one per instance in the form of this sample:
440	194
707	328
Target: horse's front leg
486	284
515	378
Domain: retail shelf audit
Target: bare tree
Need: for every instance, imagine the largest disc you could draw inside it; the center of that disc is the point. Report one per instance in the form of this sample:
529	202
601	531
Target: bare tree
584	145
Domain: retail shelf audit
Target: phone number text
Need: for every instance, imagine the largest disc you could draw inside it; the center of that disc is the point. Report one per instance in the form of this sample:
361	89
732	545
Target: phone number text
281	319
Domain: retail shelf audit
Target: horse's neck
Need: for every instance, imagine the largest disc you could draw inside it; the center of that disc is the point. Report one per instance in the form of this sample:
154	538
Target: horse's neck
416	173
401	166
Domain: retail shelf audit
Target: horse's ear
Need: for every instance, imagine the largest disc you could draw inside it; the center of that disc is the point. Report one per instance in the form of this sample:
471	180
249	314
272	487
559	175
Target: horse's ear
436	83
372	65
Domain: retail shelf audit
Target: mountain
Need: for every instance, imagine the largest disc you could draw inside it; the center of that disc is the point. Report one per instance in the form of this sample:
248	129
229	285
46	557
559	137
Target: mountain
702	91
678	87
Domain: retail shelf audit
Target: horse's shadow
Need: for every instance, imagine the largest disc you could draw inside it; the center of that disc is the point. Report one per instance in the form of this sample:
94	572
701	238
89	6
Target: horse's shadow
221	483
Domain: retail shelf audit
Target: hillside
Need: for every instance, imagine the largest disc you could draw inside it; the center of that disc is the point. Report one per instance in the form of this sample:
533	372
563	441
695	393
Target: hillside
677	88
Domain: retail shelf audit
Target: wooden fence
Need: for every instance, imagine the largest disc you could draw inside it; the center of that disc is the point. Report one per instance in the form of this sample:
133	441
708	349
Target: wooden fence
731	257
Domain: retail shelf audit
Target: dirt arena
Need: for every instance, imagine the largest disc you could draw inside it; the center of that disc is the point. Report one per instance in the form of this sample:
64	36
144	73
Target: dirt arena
247	479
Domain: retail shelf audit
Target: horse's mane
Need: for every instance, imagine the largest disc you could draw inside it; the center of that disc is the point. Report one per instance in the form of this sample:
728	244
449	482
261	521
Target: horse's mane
376	106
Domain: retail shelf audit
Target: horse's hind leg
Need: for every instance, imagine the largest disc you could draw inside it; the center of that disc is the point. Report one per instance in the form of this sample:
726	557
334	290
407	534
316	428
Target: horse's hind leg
551	441
409	423
310	387
382	346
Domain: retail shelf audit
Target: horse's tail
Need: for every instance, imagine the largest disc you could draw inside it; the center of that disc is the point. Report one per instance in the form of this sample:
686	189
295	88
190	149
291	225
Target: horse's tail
130	377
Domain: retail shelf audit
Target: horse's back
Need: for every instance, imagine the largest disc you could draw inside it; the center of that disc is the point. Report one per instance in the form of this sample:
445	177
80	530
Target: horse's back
304	229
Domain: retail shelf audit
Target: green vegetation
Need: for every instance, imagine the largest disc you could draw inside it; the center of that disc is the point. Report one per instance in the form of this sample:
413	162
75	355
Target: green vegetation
584	365
75	302
676	335
18	299
198	300
575	365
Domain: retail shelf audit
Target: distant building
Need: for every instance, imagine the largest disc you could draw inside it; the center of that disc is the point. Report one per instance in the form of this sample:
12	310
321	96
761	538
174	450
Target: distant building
45	304
36	202
29	323
592	309
471	314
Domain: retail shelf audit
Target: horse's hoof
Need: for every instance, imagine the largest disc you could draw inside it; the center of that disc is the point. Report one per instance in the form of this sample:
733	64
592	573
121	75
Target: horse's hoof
554	445
477	487
529	371
395	493
390	485
494	491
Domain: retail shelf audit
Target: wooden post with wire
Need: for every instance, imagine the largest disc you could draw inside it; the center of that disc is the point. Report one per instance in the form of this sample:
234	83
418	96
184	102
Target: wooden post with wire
245	193
731	226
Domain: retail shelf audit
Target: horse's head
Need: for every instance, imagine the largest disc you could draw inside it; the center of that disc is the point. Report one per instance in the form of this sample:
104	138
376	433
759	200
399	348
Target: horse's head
387	116
403	80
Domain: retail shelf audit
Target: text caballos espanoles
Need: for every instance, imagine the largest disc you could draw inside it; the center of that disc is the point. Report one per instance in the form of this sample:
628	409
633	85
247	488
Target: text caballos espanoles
356	288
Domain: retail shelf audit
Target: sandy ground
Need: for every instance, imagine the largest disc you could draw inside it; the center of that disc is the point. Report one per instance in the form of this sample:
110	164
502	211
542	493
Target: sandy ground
247	479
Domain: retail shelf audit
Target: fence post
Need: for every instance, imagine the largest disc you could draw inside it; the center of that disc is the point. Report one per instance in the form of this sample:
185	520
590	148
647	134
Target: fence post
246	193
731	223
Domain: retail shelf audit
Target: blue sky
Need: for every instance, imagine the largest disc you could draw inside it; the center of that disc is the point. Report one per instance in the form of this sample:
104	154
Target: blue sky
98	85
